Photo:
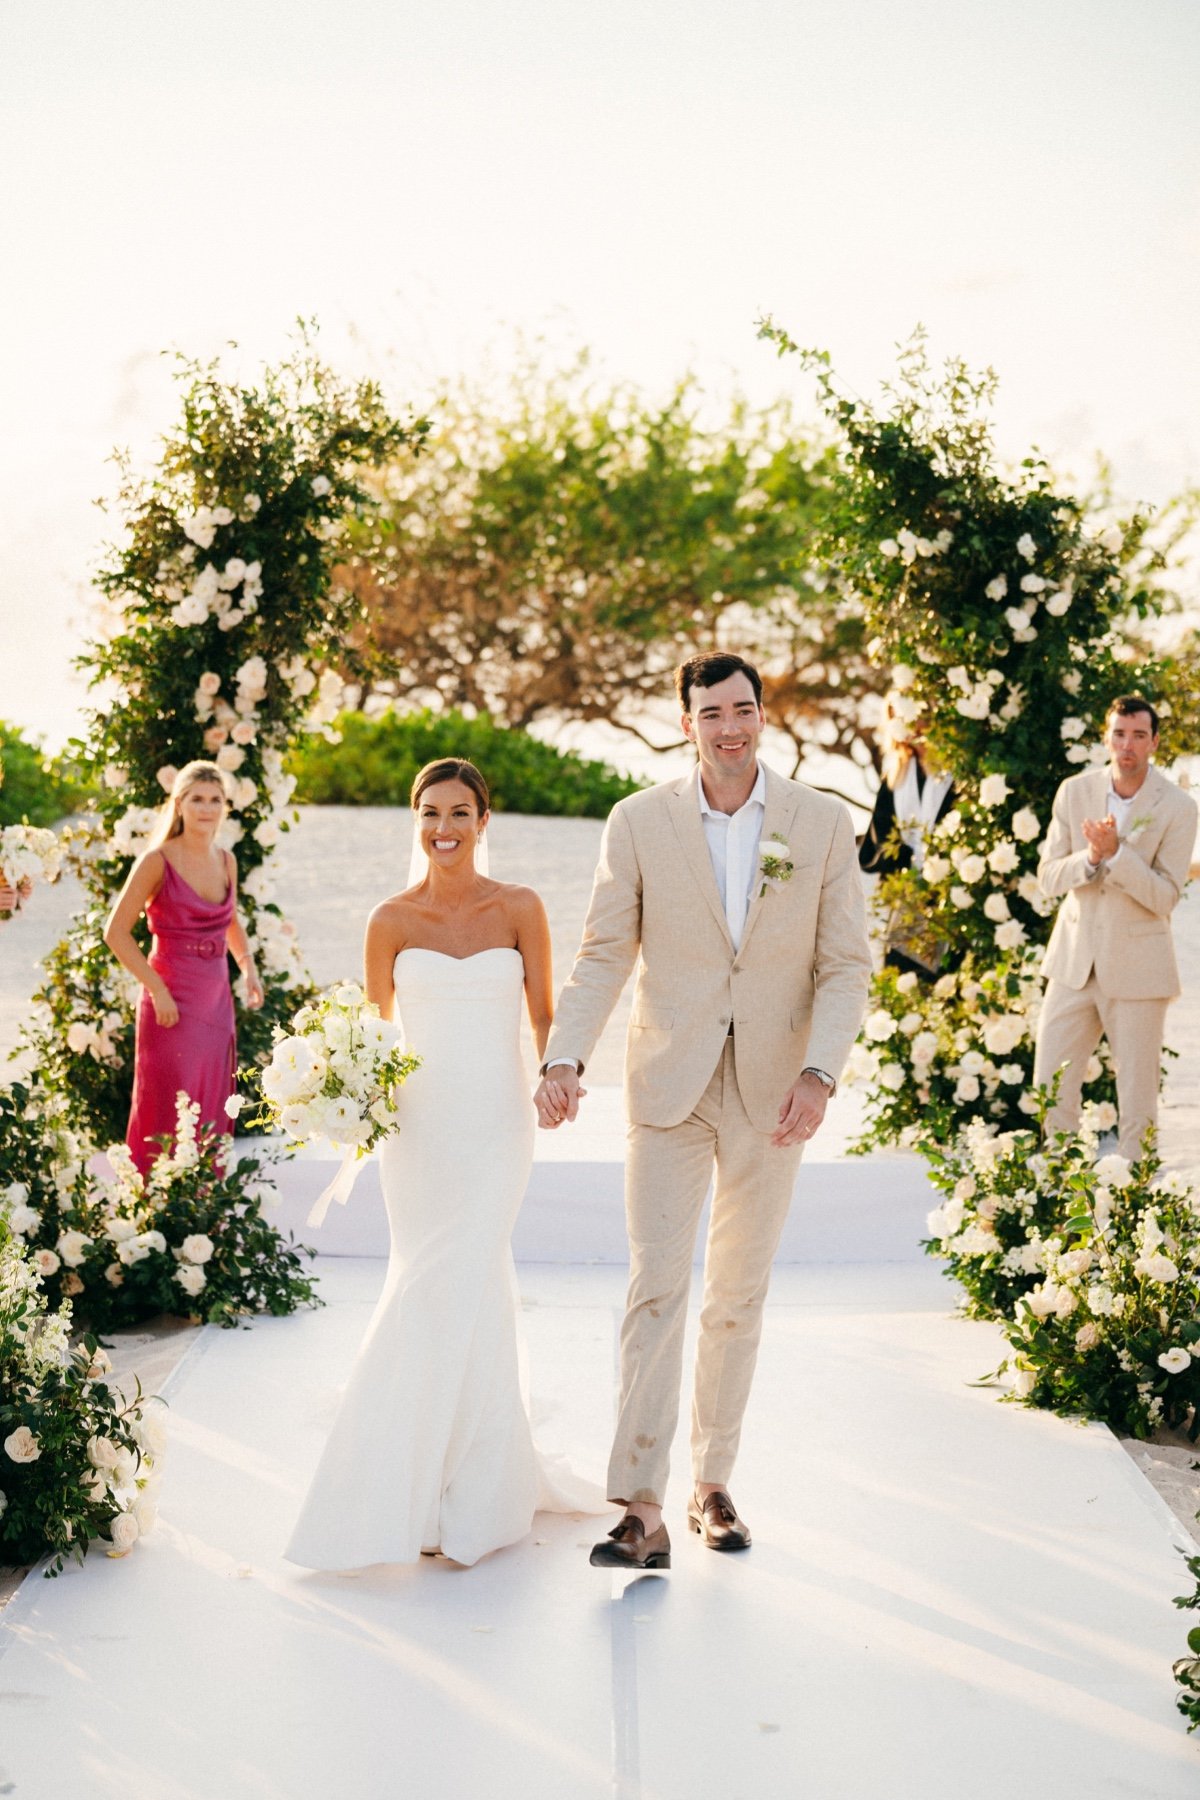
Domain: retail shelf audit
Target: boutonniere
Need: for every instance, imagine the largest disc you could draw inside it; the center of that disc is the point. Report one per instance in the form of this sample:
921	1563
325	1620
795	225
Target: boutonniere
775	865
1136	828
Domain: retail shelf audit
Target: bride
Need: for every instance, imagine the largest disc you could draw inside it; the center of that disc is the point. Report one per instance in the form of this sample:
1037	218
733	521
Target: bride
432	1448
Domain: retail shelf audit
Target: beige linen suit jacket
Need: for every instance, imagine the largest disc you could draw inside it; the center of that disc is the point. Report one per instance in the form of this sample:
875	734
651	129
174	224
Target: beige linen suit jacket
795	991
1118	923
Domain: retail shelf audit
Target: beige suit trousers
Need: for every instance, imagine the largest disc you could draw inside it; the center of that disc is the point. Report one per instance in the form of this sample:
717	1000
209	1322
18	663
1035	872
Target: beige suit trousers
667	1175
1072	1022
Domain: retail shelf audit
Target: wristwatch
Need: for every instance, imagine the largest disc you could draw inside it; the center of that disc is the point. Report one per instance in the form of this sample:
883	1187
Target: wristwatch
820	1074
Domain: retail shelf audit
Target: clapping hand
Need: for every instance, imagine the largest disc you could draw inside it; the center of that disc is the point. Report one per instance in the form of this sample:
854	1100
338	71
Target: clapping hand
557	1097
1102	838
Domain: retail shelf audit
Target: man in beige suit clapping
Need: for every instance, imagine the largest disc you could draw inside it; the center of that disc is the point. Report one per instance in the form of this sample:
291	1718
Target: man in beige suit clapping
1117	852
741	892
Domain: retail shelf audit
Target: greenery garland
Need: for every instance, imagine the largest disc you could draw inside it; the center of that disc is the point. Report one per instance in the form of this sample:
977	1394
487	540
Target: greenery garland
1008	622
222	631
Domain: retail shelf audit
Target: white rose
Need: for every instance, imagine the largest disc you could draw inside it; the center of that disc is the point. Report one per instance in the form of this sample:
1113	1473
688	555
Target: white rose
321	485
892	1076
935	868
923	1049
1002	857
1024	1381
23	1220
879	1026
1032	584
1156	1268
967	1088
1112	539
997	587
266	833
1026	547
190	1277
131	1252
197	1248
995	908
1114	1171
889	547
1071	729
1087	1337
1057	604
1025	825
903	677
20	1446
80	1038
972	869
1012	1074
124	1532
961	897
1010	936
209	683
993	790
230	758
1174	1361
234	1105
1002	1035
152	1240
145	1511
73	1247
46	1263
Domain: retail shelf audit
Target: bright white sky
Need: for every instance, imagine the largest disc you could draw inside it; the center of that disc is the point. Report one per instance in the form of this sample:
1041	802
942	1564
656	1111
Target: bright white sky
1020	175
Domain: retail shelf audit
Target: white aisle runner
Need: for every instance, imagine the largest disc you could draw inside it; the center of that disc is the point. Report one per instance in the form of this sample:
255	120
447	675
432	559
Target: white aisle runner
946	1597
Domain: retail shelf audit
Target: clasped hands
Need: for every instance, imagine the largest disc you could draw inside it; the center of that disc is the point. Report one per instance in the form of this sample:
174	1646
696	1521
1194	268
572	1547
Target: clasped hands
801	1112
1102	838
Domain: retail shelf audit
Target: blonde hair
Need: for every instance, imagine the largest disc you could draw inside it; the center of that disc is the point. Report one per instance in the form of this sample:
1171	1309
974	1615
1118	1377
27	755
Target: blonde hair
170	821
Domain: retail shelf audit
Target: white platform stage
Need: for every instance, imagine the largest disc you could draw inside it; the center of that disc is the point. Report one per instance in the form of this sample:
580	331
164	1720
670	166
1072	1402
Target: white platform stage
845	1208
946	1597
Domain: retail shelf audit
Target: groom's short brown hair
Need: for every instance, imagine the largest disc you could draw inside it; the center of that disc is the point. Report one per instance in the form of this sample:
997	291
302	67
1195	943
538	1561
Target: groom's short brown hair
710	667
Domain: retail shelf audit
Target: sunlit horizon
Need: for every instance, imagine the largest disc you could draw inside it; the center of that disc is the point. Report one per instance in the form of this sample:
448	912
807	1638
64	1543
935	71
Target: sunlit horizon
644	180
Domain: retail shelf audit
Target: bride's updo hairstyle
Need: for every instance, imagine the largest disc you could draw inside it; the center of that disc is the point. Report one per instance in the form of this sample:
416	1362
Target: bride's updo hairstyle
451	768
170	819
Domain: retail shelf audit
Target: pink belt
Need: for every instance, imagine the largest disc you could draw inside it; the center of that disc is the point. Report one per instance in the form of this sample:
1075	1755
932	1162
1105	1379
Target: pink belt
206	948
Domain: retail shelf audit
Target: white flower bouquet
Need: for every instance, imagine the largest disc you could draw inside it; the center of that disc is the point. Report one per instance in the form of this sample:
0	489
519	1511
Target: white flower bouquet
28	854
336	1074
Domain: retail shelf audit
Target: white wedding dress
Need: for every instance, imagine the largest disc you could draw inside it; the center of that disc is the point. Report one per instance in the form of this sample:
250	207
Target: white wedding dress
432	1446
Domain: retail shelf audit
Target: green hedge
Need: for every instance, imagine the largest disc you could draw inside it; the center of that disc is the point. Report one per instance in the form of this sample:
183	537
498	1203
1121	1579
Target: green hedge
34	788
376	761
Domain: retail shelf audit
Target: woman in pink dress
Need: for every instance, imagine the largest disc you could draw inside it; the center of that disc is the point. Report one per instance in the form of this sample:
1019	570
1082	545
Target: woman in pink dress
187	888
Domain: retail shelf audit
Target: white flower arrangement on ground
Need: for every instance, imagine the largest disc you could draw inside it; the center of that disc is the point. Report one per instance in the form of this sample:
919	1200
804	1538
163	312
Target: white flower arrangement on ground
28	854
1091	1265
77	1463
336	1074
188	1237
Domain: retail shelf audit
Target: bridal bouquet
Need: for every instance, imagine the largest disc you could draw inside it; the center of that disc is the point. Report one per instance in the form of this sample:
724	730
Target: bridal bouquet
28	854
336	1074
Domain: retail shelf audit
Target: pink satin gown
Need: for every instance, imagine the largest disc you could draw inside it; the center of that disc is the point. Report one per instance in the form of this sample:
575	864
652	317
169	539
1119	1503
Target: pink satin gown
199	1054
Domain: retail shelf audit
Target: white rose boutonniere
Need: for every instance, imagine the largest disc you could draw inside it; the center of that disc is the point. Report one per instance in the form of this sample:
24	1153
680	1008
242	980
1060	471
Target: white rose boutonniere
1136	827
775	865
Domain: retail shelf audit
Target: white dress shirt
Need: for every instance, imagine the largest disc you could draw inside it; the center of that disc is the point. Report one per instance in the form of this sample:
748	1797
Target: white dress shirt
733	840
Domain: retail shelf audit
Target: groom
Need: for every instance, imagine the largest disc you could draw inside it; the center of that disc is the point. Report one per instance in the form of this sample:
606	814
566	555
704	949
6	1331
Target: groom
741	891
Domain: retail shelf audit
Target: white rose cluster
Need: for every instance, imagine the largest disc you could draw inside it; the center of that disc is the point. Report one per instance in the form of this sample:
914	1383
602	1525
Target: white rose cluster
29	854
229	594
335	1075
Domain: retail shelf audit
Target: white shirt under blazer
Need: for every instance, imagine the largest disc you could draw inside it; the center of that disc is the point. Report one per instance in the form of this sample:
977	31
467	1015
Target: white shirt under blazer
794	988
1115	921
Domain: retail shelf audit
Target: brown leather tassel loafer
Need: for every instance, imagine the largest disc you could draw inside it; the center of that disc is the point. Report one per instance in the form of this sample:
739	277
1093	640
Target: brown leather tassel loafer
717	1522
628	1547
